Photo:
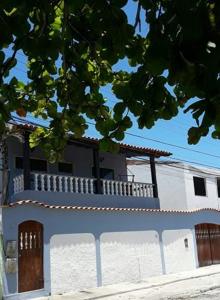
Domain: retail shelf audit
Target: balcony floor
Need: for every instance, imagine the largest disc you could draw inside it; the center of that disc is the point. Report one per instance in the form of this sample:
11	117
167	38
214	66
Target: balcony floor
64	198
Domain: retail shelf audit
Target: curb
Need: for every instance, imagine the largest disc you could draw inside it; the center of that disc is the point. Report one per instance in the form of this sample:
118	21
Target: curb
109	294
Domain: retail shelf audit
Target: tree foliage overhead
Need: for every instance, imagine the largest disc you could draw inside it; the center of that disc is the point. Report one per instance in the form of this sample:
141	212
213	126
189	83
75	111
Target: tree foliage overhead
73	46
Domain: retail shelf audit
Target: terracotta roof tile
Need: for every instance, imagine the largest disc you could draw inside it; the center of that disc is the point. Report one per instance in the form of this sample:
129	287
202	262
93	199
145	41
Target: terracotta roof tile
95	141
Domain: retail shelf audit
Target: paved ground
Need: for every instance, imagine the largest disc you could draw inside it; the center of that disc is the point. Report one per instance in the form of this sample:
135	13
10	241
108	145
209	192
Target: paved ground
203	283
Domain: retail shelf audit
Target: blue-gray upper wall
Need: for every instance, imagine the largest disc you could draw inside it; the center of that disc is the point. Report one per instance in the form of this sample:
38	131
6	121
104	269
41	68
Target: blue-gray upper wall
80	157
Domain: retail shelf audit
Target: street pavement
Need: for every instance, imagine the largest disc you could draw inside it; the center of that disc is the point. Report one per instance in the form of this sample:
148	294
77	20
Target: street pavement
202	283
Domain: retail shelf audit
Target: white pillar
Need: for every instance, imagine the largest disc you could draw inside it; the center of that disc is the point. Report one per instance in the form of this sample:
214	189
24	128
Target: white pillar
162	256
98	260
47	266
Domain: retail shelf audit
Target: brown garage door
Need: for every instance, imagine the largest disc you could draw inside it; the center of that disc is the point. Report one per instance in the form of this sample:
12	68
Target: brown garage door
30	256
208	244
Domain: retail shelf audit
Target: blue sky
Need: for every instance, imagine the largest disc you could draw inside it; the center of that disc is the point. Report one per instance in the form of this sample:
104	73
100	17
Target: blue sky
172	132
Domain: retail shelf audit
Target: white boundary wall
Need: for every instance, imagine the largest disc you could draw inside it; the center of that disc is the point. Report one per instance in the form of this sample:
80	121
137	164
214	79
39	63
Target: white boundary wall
93	248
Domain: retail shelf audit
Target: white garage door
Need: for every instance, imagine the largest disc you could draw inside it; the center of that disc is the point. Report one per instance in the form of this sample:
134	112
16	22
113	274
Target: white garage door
73	262
129	256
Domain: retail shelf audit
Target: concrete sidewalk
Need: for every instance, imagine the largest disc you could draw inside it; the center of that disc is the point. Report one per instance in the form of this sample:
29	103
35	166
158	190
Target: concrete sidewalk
174	286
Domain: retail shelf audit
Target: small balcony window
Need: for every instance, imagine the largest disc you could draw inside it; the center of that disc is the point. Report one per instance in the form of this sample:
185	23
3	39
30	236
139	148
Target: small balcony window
38	165
66	168
199	186
105	173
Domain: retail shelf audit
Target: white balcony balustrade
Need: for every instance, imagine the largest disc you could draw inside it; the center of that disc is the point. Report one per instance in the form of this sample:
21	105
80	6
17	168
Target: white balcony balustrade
127	188
65	184
18	184
82	185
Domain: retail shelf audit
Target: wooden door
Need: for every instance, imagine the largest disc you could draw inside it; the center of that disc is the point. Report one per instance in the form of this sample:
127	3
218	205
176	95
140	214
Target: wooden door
208	244
30	256
203	245
214	233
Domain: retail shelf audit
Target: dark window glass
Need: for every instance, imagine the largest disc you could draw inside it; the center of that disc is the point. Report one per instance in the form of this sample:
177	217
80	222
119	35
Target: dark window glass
35	164
18	162
218	186
104	173
199	186
38	165
65	167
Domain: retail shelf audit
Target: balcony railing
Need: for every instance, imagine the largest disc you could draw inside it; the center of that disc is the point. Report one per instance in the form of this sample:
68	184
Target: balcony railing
82	185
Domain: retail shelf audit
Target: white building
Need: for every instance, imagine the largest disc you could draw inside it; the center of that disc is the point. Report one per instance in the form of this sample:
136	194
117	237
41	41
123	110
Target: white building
83	222
181	185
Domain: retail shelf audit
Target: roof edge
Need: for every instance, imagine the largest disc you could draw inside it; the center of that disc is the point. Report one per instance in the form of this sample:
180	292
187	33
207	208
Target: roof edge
135	149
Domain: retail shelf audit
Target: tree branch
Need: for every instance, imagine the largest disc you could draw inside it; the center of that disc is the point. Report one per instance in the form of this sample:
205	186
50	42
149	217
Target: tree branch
137	18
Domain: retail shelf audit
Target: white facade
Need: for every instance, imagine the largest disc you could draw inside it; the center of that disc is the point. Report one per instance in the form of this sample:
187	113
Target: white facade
93	239
175	184
92	248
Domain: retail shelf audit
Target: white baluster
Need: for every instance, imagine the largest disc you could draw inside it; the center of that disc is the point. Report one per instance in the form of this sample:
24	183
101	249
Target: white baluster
107	187
42	182
60	184
144	190
128	189
125	188
86	186
141	189
152	191
147	190
48	183
76	185
71	184
104	186
137	190
54	183
65	184
19	183
116	188
132	189
81	185
112	187
120	188
36	182
22	183
15	185
92	186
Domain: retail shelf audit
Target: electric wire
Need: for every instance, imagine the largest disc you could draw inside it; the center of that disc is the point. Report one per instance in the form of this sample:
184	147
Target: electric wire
172	158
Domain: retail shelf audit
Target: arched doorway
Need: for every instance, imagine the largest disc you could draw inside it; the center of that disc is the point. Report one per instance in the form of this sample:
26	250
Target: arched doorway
30	256
208	244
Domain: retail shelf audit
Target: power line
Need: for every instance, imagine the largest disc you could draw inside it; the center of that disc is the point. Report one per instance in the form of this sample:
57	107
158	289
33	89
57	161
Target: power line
172	158
186	161
164	143
172	145
184	168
